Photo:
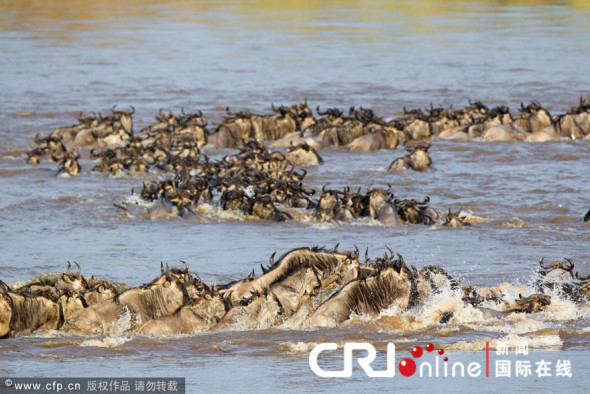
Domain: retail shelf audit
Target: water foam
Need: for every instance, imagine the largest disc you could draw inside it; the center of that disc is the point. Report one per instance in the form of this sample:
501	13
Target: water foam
107	342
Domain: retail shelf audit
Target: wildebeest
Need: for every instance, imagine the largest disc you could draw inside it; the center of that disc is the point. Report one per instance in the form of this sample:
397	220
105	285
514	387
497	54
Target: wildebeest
161	297
260	311
69	164
202	312
7	313
324	262
303	155
283	122
531	304
454	219
416	125
381	206
235	129
99	293
566	265
377	137
412	211
369	295
27	312
418	159
74	282
331	206
574	124
278	302
533	118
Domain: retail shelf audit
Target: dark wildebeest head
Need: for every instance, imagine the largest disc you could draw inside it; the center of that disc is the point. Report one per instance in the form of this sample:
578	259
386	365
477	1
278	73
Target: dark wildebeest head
304	115
35	155
69	164
566	265
412	211
378	198
419	158
263	208
100	292
442	119
454	219
70	303
74	282
533	117
531	304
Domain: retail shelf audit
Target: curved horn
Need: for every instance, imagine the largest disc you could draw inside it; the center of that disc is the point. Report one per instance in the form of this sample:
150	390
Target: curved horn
77	274
320	112
571	265
542	264
579	277
185	266
336	247
69	268
271	259
162	267
390	252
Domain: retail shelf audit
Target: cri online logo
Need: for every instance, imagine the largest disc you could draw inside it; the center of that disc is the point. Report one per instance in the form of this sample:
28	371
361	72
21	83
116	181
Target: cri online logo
407	367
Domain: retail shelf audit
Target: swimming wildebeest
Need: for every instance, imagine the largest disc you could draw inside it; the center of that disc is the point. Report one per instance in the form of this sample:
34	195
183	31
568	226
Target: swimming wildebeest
27	312
390	285
325	262
303	155
455	220
202	313
418	159
531	304
161	297
284	298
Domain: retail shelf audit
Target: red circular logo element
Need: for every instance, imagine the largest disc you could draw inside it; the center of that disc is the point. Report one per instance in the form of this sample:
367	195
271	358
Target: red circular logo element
407	367
446	359
429	347
441	352
416	351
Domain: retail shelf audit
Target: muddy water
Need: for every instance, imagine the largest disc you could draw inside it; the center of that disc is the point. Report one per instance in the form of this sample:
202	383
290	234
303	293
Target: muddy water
59	59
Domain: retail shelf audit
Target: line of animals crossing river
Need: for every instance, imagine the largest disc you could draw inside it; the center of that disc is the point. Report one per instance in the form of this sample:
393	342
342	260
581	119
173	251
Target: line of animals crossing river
266	179
305	288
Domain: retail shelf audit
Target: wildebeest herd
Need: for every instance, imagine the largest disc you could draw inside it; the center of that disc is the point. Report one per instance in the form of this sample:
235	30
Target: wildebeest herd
265	179
304	288
265	184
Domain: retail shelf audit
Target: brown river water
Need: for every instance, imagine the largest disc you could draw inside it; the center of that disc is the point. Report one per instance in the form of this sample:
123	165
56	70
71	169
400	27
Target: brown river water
65	57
